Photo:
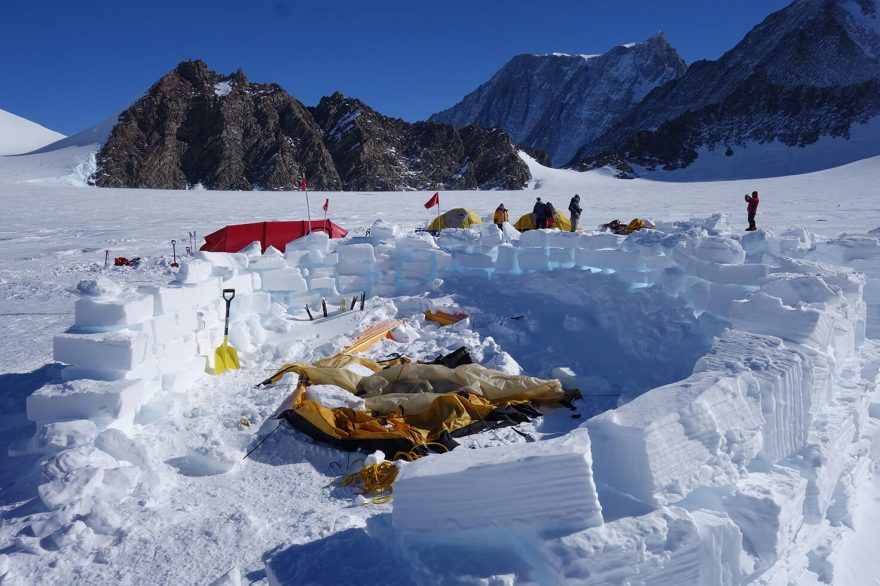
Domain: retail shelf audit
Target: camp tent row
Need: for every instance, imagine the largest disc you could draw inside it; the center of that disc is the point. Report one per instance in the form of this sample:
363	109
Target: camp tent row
465	218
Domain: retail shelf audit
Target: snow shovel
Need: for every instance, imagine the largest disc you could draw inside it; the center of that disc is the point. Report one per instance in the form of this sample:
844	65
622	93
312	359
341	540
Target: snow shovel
226	357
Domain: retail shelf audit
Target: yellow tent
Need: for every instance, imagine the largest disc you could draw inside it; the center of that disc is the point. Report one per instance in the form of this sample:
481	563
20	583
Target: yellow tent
409	404
454	218
527	222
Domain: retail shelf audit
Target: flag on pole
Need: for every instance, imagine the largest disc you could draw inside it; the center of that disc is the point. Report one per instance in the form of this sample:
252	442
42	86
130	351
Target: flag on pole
326	204
302	183
434	201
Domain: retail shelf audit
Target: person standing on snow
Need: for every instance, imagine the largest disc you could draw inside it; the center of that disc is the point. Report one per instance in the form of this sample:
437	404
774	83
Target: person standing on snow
540	214
752	209
574	206
550	213
501	215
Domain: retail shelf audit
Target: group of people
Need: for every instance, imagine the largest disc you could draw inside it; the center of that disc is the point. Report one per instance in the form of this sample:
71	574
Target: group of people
545	214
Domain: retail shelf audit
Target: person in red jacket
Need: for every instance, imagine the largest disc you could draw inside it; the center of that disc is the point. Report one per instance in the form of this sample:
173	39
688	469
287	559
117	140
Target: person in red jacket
752	209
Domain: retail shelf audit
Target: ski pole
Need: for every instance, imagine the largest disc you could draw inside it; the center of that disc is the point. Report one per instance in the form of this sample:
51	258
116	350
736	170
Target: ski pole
363	296
353	301
310	313
324	306
106	258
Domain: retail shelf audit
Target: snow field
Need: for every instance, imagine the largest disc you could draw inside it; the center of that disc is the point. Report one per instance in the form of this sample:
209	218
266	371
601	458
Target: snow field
772	421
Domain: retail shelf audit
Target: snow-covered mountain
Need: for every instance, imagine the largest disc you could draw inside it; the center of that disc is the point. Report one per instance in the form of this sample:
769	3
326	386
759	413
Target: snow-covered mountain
375	152
19	135
809	74
557	102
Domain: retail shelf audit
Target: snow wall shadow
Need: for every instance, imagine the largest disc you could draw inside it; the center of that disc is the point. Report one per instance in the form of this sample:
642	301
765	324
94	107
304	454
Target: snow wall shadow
617	339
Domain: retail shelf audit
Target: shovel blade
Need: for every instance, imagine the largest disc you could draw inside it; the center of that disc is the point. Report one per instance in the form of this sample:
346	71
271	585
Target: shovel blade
225	358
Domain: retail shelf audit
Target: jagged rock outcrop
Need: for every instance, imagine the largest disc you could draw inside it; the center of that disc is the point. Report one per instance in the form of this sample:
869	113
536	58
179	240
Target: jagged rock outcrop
223	132
376	152
557	103
808	71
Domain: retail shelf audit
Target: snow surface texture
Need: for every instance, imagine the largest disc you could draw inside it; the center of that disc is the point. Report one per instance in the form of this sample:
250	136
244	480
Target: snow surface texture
738	449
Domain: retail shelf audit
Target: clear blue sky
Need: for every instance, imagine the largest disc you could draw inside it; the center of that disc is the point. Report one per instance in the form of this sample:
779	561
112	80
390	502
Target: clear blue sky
68	65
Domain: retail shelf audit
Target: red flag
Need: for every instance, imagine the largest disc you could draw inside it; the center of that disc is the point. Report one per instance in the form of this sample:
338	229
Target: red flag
434	201
302	183
326	204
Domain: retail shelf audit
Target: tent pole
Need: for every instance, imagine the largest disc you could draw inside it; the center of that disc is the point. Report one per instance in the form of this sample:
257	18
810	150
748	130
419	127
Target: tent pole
308	209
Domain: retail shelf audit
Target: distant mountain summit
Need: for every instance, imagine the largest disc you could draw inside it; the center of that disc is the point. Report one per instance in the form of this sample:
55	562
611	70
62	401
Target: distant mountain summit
375	152
809	72
196	127
557	103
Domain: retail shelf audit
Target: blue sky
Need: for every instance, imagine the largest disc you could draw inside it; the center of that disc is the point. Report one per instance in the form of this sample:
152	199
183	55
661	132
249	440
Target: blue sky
68	65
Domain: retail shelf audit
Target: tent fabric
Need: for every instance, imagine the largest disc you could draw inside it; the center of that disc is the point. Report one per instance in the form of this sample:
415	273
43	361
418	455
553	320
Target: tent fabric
410	405
235	237
454	218
527	222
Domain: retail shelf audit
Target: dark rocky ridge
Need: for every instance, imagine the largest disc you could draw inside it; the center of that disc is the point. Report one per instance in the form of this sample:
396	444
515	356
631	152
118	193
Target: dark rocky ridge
557	103
376	152
223	132
807	71
187	130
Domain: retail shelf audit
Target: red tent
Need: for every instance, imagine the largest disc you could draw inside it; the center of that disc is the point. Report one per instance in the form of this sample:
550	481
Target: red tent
277	234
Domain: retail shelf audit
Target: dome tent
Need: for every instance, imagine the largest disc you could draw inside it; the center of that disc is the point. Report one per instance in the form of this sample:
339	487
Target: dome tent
454	218
527	222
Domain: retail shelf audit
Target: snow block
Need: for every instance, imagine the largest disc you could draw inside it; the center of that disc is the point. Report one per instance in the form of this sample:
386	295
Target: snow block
470	261
699	431
122	350
319	241
667	546
784	384
111	313
533	259
764	314
176	297
428	492
720	249
270	260
181	380
287	279
507	263
63	435
232	262
357	253
257	302
823	460
85	399
768	509
533	239
193	271
243	283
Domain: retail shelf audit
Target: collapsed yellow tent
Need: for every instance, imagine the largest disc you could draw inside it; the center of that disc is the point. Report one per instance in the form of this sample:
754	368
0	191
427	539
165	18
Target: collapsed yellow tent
411	405
527	222
454	218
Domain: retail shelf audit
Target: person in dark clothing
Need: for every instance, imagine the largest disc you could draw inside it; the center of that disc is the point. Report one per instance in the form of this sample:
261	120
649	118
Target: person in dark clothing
540	214
550	215
574	206
752	209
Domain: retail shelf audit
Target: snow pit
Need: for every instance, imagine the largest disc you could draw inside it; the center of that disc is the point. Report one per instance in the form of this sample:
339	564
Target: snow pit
558	481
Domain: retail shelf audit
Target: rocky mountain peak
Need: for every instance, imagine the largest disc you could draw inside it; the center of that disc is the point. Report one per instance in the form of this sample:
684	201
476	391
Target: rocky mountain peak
558	102
808	71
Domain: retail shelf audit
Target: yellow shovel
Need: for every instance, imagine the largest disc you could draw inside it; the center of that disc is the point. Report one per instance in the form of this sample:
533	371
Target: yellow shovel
226	357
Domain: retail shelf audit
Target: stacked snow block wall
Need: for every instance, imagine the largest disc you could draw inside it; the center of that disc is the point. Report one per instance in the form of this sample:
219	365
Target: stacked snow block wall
775	418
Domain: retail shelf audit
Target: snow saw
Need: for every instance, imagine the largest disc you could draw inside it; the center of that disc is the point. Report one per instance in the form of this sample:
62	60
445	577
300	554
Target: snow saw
226	356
